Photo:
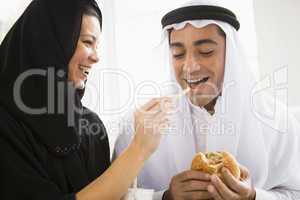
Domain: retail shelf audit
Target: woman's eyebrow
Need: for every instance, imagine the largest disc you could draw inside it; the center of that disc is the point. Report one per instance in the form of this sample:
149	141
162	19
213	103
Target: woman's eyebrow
89	35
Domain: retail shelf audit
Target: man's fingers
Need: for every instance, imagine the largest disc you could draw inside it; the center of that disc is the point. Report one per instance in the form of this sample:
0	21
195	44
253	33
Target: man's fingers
193	175
233	183
197	195
222	189
193	185
214	193
245	174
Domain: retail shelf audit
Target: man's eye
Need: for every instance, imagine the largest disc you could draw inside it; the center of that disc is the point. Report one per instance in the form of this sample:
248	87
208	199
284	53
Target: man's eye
206	53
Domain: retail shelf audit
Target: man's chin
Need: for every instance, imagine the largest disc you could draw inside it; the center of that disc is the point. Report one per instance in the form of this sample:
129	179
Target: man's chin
201	100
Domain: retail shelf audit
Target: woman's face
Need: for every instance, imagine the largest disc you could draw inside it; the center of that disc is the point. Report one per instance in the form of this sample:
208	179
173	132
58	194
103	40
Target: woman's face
86	54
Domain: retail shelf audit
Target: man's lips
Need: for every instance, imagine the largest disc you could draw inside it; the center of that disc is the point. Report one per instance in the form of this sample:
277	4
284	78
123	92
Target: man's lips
193	83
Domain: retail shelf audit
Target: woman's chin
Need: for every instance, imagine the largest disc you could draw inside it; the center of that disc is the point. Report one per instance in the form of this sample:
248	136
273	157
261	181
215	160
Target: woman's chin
80	85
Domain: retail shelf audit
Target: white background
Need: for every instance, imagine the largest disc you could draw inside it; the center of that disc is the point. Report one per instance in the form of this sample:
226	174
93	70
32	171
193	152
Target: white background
130	41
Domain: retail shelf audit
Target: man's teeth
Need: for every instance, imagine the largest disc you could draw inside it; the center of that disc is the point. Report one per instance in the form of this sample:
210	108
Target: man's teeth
193	81
201	80
84	69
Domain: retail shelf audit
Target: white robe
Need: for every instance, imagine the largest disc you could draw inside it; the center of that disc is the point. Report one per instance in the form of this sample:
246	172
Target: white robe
268	147
271	157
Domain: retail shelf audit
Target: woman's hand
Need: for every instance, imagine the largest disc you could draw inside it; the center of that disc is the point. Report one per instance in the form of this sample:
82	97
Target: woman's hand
114	182
231	188
149	122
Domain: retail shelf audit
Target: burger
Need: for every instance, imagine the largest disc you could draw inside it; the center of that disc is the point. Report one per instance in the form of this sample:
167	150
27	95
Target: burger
213	162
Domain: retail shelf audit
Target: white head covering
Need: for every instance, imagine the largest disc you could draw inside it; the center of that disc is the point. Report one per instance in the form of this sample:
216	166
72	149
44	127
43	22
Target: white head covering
225	125
269	152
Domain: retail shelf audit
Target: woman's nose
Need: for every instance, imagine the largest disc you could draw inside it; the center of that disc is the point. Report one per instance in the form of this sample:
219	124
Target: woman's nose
95	56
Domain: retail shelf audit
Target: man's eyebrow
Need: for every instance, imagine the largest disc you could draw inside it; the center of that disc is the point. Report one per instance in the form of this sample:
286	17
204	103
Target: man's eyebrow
196	43
176	44
205	41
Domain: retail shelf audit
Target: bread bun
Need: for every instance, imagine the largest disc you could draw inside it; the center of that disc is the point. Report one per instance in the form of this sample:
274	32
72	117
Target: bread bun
213	162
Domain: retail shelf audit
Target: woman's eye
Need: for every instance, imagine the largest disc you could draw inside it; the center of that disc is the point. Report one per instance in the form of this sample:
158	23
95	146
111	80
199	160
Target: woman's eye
177	56
88	42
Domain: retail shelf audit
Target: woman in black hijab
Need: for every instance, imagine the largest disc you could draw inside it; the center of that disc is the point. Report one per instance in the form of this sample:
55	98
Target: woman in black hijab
51	147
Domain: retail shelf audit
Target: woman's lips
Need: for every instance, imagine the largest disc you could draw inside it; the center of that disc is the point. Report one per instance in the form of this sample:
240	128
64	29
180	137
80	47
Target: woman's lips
84	70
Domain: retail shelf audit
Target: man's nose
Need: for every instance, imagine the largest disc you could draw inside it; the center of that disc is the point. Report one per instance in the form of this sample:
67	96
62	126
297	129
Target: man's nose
191	64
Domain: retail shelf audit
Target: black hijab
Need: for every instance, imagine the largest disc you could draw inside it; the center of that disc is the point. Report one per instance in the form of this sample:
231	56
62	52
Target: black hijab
44	39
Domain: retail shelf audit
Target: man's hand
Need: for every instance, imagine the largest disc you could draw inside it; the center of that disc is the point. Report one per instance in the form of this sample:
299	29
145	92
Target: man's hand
231	188
189	185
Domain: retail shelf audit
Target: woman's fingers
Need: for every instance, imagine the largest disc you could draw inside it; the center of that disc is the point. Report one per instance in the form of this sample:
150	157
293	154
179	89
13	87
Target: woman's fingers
161	103
150	121
149	105
155	109
156	116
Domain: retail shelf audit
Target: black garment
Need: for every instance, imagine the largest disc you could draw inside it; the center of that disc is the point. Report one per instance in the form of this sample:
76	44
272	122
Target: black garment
46	155
29	171
44	38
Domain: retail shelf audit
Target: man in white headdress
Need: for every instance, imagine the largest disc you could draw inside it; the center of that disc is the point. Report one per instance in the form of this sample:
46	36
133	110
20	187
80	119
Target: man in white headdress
218	113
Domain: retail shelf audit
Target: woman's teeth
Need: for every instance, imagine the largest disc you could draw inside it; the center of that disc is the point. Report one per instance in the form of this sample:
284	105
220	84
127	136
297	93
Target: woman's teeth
85	70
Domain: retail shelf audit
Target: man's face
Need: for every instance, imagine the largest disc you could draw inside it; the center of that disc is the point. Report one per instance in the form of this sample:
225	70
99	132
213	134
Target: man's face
198	58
